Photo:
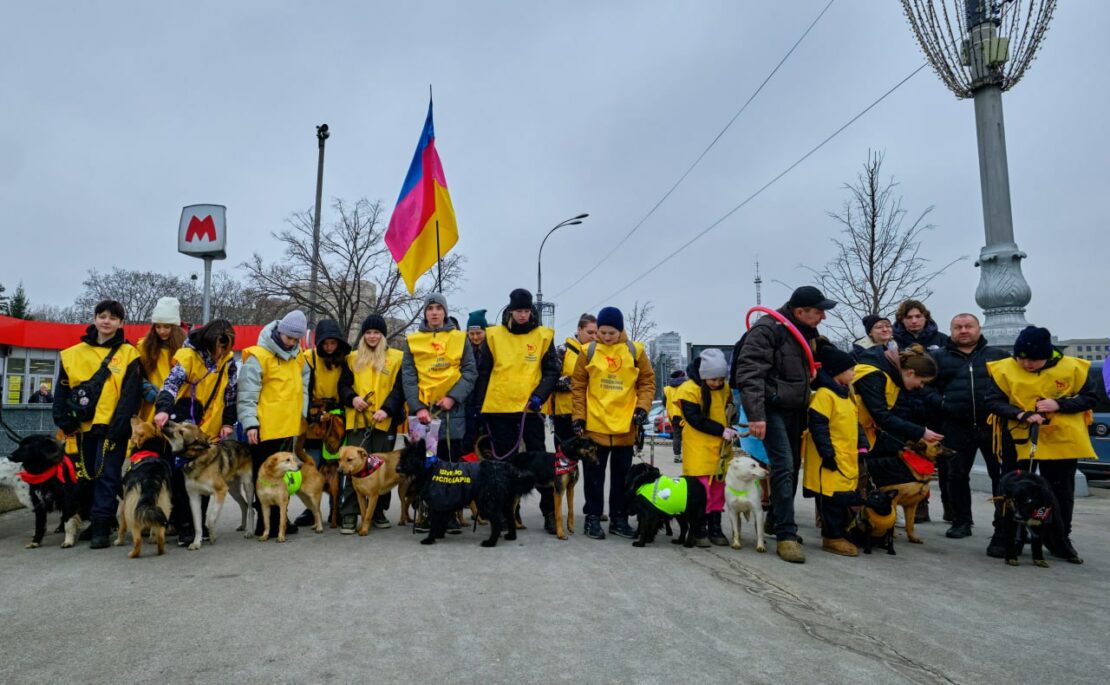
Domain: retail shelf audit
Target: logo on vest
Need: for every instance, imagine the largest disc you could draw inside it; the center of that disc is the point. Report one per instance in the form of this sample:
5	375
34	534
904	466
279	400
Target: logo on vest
1061	385
438	347
614	363
529	352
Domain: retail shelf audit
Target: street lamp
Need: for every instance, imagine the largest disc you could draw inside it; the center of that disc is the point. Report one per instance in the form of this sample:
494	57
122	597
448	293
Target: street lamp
321	135
573	221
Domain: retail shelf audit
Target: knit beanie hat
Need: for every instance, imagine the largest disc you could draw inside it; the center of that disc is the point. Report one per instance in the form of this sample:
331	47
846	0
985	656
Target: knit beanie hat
168	310
294	324
520	299
436	298
611	316
834	360
374	322
1033	343
713	364
870	320
477	320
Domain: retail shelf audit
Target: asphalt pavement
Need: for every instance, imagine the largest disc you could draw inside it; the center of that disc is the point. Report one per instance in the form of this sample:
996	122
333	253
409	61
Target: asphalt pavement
384	609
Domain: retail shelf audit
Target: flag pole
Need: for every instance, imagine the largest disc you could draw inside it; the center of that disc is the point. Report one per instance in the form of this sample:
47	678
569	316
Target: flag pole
439	262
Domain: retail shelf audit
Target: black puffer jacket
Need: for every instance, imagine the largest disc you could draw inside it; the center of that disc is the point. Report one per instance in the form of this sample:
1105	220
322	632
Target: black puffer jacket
770	368
958	396
896	424
930	337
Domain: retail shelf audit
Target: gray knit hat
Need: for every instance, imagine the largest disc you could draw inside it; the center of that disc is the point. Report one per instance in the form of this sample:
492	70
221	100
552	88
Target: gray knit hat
713	364
436	298
294	324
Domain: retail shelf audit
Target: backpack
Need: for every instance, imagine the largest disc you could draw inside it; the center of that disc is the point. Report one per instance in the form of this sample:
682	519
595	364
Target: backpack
593	346
83	399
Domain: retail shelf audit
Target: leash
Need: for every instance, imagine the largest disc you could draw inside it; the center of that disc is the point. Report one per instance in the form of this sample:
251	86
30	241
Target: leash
516	445
15	437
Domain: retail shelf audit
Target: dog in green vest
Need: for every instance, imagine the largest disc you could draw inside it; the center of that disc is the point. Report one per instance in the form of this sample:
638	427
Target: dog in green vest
655	499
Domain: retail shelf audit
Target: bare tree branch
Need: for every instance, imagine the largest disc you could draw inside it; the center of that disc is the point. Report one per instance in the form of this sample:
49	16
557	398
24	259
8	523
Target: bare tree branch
639	323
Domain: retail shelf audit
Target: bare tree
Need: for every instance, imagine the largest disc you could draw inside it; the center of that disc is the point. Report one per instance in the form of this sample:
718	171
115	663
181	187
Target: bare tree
53	312
137	291
639	323
878	260
357	274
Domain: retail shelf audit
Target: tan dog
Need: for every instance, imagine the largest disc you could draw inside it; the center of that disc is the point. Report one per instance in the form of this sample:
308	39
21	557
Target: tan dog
371	480
909	485
330	429
579	448
273	490
146	489
216	470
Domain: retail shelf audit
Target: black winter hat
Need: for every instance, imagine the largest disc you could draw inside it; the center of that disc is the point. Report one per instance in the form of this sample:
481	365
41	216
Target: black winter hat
374	322
833	360
520	299
1033	343
870	320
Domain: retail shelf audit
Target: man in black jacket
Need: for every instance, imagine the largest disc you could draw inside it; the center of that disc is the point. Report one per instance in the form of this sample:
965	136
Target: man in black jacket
771	372
913	324
958	399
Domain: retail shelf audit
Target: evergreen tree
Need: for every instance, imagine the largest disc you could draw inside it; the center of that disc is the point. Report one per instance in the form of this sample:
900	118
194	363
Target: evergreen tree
19	307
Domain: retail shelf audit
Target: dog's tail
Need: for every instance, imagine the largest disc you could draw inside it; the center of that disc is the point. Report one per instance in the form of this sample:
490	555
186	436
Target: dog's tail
150	509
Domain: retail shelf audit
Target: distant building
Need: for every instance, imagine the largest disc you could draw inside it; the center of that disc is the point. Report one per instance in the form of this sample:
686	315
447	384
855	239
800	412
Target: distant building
1091	349
667	345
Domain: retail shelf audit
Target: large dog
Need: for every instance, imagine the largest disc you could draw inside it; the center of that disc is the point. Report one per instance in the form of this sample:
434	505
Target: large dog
146	489
52	481
1029	506
874	522
277	482
214	469
330	429
566	461
655	499
372	476
744	496
907	474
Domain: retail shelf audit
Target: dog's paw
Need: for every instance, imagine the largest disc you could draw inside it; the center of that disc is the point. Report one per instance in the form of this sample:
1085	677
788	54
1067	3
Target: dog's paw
562	537
638	543
117	542
491	543
319	529
1075	560
195	544
35	545
281	538
247	534
263	538
1041	563
240	529
133	554
362	532
735	545
1011	562
511	535
761	548
915	540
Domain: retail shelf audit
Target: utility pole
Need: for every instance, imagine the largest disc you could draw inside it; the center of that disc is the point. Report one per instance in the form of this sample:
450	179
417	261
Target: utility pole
758	284
313	286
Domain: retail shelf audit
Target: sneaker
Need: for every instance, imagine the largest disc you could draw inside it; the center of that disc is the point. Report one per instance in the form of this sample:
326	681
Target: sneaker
839	546
99	538
307	518
347	524
619	526
453	527
900	518
958	531
678	459
593	528
381	521
791	550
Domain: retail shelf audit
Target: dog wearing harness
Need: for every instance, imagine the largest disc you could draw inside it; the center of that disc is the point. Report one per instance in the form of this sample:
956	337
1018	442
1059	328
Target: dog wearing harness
51	477
656	499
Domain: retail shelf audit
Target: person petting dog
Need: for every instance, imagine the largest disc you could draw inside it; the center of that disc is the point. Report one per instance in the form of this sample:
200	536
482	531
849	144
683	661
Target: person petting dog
99	389
1040	386
518	376
201	388
831	448
703	402
156	350
273	398
888	420
612	387
370	387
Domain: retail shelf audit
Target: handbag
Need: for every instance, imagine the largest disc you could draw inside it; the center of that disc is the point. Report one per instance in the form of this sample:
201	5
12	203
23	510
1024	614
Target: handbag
83	398
184	408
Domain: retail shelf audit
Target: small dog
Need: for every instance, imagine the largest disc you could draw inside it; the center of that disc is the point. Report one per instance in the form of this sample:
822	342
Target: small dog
743	496
275	485
372	476
566	477
907	475
1029	506
330	429
655	500
875	521
146	489
214	469
51	479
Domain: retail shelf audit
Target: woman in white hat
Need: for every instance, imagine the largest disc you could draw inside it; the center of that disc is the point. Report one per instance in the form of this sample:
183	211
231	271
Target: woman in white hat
157	348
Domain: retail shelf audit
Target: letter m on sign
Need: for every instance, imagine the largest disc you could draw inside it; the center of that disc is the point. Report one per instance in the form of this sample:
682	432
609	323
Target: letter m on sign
201	229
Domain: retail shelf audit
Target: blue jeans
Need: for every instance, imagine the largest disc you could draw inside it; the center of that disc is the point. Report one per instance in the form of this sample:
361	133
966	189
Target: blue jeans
783	443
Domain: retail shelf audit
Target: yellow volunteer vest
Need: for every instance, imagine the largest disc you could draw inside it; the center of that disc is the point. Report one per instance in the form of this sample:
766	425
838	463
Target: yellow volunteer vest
82	361
564	401
157	379
280	401
670	402
611	388
516	367
843	427
327	380
702	451
1065	436
374	386
438	360
196	372
891	389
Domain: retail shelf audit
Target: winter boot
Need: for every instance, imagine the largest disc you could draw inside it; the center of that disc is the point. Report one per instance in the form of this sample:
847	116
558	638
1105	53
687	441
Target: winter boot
101	531
791	550
1069	553
618	525
701	537
958	530
549	523
307	518
347	524
839	546
593	528
716	535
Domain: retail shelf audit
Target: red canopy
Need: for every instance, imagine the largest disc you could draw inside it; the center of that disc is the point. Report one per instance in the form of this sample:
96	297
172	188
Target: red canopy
48	335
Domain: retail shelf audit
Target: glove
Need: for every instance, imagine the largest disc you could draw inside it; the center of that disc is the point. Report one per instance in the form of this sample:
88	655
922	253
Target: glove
579	426
563	384
150	393
534	403
829	462
639	417
729	435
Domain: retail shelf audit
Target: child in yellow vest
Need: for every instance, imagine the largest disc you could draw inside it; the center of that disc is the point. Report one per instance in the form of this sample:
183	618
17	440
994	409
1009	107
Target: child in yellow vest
156	350
831	446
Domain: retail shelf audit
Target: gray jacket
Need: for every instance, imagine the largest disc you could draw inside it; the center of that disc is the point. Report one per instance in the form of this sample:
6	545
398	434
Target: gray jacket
250	379
454	420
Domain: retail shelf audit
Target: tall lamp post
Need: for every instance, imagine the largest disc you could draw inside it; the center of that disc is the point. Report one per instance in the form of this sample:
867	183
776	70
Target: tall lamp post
573	221
321	136
980	48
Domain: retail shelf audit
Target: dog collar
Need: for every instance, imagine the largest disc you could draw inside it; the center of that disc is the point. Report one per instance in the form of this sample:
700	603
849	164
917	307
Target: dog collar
373	463
136	457
738	493
64	468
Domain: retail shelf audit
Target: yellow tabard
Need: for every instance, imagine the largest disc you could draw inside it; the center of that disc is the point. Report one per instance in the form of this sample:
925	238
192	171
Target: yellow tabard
891	390
517	369
564	401
327	380
438	360
157	379
374	386
82	361
196	372
701	451
281	400
611	391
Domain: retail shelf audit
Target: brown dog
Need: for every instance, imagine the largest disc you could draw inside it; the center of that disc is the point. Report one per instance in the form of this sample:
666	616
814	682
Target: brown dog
330	429
273	490
146	489
372	475
566	477
907	476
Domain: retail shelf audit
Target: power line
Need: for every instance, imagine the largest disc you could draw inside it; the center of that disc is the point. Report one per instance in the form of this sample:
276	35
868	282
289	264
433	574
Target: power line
767	185
700	157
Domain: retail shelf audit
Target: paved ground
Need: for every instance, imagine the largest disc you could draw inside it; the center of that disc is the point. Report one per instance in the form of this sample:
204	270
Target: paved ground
331	608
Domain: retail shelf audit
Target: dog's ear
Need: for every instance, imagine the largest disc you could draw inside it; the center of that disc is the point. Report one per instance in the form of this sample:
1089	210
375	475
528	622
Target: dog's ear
363	453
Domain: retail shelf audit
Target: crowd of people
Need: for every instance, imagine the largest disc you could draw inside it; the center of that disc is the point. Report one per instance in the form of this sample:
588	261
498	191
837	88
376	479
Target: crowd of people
904	381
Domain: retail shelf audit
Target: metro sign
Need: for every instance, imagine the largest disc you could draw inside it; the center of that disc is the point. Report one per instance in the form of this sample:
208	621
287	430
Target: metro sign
202	231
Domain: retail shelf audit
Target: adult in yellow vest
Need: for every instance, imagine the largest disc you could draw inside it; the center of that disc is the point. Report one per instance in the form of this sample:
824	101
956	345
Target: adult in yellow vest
1041	386
370	388
674	413
438	375
703	405
476	326
97	425
518	375
200	388
889	420
273	398
568	352
613	385
157	348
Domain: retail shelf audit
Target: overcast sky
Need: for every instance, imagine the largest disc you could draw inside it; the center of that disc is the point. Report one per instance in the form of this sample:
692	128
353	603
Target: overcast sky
116	114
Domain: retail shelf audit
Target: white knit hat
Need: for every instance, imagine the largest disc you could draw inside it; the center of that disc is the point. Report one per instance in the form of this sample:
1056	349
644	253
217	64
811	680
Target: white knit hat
168	310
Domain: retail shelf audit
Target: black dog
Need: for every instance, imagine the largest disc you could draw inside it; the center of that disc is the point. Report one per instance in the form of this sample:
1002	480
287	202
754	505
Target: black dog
646	490
447	487
52	478
875	521
1029	508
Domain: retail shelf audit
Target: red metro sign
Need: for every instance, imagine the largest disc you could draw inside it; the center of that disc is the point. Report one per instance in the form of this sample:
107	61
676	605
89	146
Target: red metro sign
202	231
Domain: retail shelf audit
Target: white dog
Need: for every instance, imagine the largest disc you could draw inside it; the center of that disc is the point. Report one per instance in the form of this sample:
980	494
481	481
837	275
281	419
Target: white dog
743	496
